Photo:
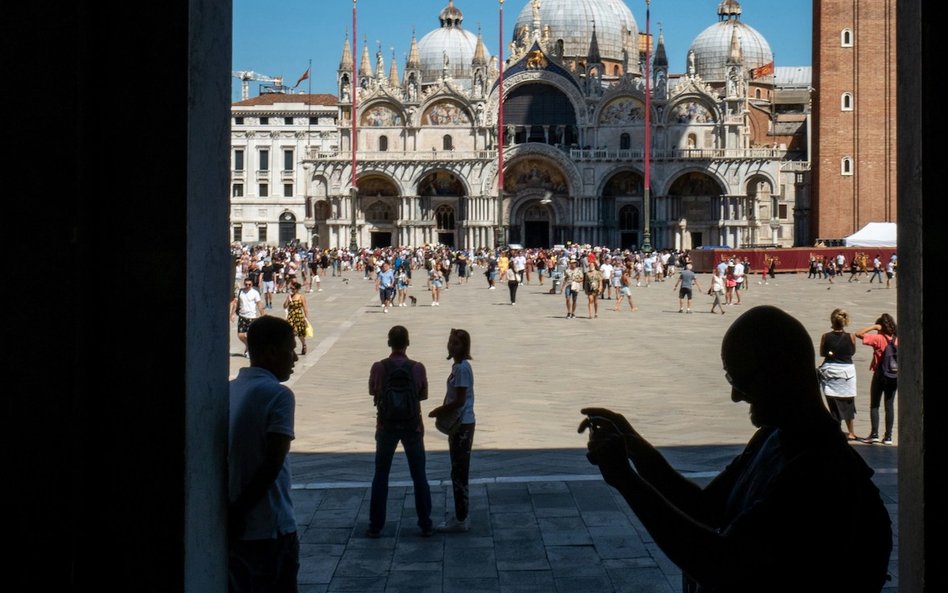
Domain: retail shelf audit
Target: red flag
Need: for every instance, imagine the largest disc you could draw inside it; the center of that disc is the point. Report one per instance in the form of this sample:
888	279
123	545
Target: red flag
765	70
302	78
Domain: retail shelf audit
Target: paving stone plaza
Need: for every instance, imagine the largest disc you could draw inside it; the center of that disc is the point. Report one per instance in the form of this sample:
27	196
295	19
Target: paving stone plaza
542	518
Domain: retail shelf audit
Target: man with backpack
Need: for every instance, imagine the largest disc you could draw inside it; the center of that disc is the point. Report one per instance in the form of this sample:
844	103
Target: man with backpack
397	385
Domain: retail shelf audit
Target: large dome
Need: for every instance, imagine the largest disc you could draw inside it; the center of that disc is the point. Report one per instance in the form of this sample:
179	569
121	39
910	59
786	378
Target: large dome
449	40
573	21
713	45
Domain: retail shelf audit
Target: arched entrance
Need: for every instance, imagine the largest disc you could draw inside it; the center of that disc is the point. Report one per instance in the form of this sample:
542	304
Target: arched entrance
696	197
378	204
629	221
287	232
444	225
619	190
537	226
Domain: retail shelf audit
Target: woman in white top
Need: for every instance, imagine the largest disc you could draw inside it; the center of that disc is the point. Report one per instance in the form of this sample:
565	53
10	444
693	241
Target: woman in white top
717	289
459	398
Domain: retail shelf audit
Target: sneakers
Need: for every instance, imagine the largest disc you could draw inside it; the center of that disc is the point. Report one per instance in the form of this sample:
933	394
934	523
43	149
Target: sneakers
873	438
452	525
887	441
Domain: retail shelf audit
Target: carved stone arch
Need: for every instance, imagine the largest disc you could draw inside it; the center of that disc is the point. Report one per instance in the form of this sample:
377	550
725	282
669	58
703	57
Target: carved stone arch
695	182
516	210
555	80
753	184
319	187
420	187
572	175
378	183
610	181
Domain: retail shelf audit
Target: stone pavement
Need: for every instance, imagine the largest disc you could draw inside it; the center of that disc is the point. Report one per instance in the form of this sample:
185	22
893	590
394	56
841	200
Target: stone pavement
542	519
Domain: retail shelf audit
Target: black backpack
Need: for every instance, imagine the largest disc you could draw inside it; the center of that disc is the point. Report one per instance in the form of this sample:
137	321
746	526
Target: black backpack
398	403
889	365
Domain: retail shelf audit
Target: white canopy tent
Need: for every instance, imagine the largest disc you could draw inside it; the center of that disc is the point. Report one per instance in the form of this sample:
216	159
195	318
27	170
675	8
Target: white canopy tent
874	234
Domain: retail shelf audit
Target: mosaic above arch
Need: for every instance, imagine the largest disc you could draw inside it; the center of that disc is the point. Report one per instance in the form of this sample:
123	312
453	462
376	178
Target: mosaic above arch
624	110
445	113
381	116
534	173
441	183
691	112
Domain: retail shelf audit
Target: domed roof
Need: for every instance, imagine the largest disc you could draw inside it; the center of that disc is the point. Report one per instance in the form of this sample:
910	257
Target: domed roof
451	41
573	21
712	47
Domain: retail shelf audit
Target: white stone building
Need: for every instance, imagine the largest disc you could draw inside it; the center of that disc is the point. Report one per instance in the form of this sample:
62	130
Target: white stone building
270	136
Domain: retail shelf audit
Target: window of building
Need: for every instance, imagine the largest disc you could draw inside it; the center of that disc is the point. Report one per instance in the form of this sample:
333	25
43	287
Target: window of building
846	166
783	211
846	102
287	190
313	121
238	121
237	190
625	142
264	190
264	121
383	143
446	142
239	159
757	94
264	159
846	38
288	160
262	233
692	141
444	216
616	71
288	121
238	233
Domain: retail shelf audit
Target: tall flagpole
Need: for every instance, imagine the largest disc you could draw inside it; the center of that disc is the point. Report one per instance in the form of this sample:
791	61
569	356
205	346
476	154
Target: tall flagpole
647	233
354	190
499	229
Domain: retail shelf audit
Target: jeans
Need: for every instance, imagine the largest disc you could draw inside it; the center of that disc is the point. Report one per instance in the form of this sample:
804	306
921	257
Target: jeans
264	565
385	443
882	385
459	445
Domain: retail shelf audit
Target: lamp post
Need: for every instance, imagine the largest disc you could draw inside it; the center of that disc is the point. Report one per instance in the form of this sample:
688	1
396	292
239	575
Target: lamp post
499	229
646	232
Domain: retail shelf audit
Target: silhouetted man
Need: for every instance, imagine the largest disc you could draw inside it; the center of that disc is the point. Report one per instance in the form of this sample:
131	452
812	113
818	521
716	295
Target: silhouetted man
796	511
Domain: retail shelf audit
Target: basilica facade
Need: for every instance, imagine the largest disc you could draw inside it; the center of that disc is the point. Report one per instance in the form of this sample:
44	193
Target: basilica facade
569	165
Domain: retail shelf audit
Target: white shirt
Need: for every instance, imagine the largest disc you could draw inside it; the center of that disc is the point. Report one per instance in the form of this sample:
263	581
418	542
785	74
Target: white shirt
606	270
247	303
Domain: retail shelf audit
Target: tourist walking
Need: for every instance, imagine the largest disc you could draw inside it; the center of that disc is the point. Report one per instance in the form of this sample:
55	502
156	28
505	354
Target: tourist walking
592	284
297	313
716	290
513	281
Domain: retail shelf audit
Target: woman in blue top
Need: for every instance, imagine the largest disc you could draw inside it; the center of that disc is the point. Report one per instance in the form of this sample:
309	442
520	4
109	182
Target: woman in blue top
459	397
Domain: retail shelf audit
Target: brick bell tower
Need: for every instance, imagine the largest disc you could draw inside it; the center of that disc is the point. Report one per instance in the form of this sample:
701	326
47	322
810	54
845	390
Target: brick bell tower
854	110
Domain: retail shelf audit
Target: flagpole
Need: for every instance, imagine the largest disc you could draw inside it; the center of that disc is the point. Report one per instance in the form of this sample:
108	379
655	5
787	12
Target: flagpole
647	233
499	230
354	191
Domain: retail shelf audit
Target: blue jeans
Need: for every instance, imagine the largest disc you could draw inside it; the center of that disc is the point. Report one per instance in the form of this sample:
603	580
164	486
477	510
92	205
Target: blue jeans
386	441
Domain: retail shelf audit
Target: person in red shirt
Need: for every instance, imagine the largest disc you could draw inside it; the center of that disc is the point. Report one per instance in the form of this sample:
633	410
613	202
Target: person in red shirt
879	335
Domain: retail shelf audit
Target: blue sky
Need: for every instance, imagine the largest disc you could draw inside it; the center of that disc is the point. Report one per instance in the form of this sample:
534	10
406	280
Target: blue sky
280	37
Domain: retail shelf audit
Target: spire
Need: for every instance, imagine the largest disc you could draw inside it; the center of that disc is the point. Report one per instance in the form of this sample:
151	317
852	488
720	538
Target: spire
729	9
480	52
345	63
365	68
594	57
735	55
393	72
414	56
661	58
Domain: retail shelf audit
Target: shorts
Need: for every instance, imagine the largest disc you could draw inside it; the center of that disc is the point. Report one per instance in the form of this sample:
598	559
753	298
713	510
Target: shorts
243	323
386	293
626	291
570	293
269	286
437	283
684	293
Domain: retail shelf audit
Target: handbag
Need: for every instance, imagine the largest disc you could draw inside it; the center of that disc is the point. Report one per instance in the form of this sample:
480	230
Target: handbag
448	422
309	329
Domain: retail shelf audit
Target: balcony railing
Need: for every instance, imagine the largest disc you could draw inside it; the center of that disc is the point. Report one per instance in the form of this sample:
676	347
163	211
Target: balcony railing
599	154
401	155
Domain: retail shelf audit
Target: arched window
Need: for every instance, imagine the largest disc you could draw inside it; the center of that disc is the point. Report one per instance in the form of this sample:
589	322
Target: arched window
846	38
378	212
846	102
616	71
383	143
846	166
757	94
625	142
692	141
628	218
447	143
444	217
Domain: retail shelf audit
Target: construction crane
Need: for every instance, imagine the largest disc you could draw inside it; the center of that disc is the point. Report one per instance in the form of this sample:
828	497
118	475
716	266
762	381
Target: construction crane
245	76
